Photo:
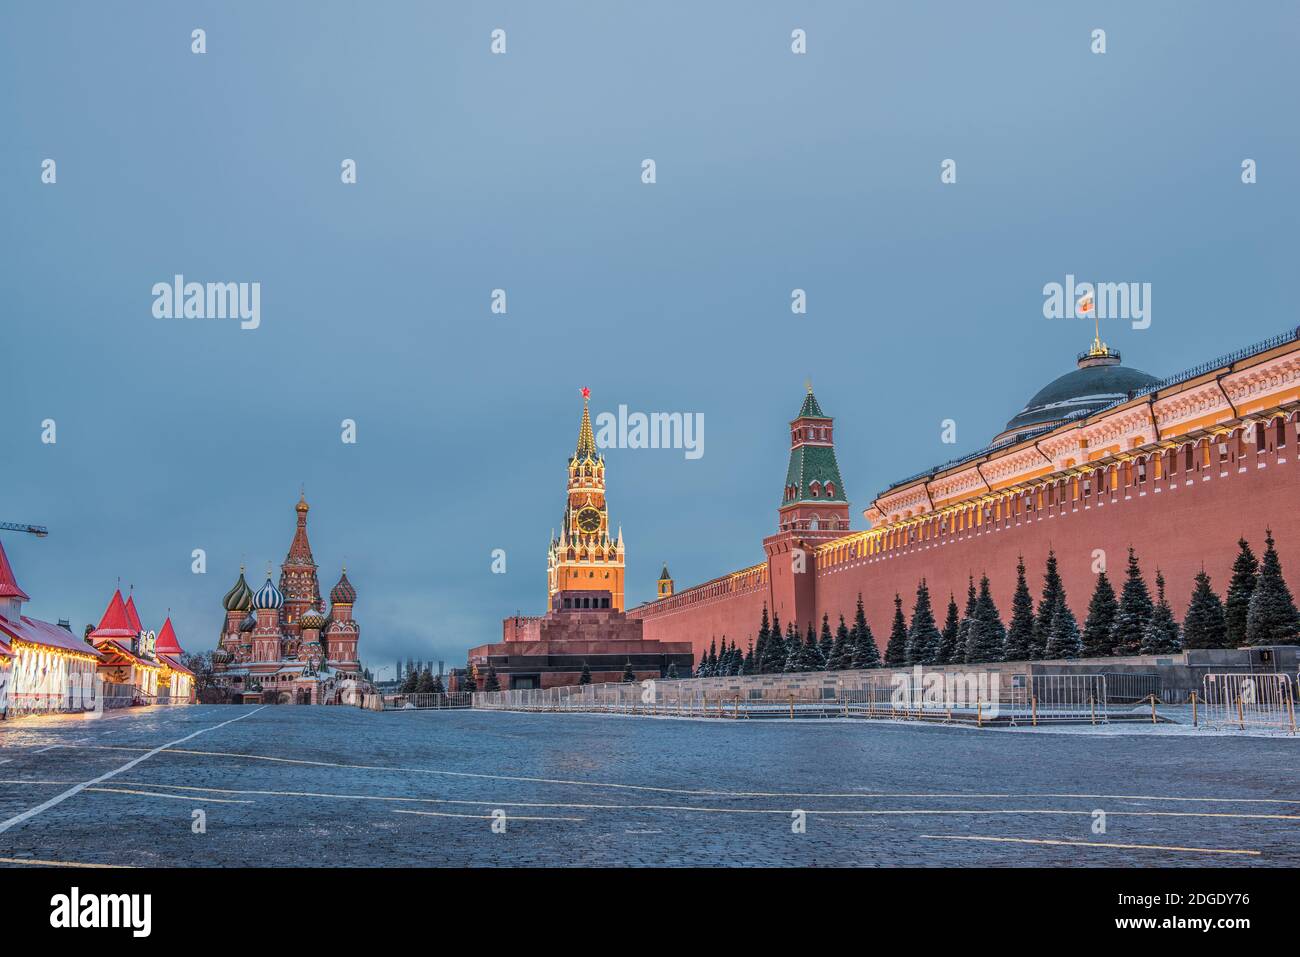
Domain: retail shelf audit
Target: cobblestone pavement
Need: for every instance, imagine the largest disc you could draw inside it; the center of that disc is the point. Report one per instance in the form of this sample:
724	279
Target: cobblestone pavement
339	786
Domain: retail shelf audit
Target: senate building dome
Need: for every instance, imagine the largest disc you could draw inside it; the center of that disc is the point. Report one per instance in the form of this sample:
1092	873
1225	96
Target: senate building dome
1096	383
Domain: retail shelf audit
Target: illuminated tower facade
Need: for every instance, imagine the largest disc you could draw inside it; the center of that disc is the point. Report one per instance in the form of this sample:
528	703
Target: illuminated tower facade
585	556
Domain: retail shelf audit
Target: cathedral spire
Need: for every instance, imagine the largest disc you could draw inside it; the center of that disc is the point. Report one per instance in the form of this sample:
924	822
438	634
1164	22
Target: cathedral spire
586	439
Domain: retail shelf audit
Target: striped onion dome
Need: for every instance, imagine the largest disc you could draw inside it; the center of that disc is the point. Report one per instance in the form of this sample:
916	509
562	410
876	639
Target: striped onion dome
268	597
239	598
249	622
343	593
312	618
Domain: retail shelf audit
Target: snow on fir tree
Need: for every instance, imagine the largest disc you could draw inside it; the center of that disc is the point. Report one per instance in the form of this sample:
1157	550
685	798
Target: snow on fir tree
1099	627
1272	618
1134	612
825	643
958	656
949	635
865	652
492	683
841	656
923	637
437	685
760	644
986	636
424	684
812	655
1046	607
1063	639
896	648
774	654
1204	625
793	649
1236	606
1020	634
1161	637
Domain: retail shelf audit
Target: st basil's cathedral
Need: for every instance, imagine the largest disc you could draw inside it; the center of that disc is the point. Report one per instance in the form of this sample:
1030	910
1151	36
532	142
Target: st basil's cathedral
279	644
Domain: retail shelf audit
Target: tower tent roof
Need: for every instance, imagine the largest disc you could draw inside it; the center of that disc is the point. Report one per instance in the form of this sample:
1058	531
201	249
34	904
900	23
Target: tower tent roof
132	616
8	584
115	622
586	438
663	575
166	643
810	408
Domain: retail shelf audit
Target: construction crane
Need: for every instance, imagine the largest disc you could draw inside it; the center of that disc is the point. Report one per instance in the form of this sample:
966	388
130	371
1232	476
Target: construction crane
40	531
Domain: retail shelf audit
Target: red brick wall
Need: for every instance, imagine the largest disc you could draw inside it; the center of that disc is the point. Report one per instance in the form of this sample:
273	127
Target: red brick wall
1177	528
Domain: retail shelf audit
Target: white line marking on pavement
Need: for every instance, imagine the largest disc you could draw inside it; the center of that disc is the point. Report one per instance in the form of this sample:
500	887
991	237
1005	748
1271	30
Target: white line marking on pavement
73	791
5	760
486	817
174	797
1139	847
50	748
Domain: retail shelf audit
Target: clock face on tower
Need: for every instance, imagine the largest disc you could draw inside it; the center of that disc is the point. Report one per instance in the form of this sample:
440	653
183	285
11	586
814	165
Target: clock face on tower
589	519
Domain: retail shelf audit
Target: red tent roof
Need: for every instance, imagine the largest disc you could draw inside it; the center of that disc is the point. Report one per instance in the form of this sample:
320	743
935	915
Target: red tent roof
8	584
115	623
166	643
132	616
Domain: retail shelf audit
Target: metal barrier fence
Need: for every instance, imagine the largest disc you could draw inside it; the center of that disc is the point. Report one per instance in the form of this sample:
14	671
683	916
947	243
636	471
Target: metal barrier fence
968	697
427	702
1245	701
1131	688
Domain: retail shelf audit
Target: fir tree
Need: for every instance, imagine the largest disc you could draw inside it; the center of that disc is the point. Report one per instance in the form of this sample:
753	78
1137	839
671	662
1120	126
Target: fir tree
1099	628
470	684
585	677
437	685
841	656
1204	625
812	656
1063	638
424	684
760	646
825	643
1020	636
493	683
1161	636
923	637
865	652
958	656
670	676
628	676
793	649
1046	606
1134	611
713	656
986	636
896	648
1272	618
1245	569
949	636
410	682
774	656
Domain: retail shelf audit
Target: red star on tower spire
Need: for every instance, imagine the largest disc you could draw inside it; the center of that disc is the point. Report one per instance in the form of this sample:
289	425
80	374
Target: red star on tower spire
586	393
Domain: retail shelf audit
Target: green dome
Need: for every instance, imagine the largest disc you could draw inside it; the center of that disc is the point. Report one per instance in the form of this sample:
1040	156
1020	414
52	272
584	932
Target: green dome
239	598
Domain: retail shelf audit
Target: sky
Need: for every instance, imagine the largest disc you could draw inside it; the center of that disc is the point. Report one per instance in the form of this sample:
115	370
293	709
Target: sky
522	171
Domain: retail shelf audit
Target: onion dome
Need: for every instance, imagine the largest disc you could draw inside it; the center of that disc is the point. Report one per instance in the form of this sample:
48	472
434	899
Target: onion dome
249	622
312	618
1098	381
268	597
343	593
239	598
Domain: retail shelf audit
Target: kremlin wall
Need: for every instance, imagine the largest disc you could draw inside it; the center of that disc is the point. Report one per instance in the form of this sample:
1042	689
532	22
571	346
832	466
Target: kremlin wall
1102	458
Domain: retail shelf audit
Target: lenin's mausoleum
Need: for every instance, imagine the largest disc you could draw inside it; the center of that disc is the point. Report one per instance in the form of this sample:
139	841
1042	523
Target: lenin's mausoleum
1102	458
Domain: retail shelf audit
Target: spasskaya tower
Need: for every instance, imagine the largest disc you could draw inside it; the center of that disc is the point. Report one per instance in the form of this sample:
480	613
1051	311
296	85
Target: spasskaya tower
584	556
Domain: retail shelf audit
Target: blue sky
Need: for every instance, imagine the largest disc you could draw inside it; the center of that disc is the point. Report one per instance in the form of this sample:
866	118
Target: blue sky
522	172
